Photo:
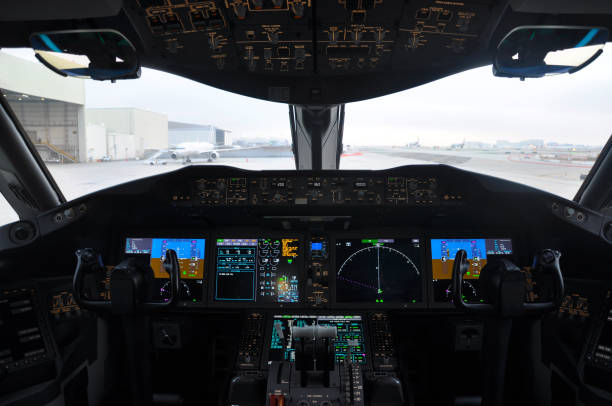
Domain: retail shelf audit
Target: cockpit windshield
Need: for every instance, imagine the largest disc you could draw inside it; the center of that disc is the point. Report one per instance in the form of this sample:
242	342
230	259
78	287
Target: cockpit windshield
544	133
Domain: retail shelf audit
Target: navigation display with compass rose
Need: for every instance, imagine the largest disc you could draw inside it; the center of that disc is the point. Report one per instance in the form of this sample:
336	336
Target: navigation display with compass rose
378	270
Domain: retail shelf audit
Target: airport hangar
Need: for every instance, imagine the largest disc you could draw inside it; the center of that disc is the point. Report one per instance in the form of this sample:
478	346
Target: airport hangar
52	110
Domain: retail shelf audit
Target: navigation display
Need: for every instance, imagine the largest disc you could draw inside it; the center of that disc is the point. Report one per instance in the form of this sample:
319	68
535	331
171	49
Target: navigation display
349	344
258	269
191	253
479	251
378	270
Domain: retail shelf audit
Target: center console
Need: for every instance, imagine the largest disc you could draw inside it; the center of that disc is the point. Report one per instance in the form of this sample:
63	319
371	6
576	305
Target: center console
316	359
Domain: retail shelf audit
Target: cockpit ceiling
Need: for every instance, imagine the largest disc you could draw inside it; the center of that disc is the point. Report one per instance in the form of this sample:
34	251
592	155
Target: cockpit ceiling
309	51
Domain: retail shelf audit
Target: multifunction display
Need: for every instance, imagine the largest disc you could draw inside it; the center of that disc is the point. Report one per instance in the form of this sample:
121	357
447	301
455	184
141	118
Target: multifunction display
378	270
348	345
479	252
258	269
191	253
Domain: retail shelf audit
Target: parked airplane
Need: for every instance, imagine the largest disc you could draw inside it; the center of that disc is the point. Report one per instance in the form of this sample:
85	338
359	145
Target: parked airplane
186	151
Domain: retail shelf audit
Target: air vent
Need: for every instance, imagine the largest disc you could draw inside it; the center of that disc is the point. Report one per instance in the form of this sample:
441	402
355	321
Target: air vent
22	232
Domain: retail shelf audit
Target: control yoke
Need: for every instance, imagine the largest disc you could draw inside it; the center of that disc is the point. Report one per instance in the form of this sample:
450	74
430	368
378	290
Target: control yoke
128	283
503	286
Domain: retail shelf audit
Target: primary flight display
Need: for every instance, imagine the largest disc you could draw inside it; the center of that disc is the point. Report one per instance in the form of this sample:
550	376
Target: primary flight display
479	252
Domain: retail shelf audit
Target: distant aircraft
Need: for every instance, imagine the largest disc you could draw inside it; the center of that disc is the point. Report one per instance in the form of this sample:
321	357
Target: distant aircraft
186	151
458	146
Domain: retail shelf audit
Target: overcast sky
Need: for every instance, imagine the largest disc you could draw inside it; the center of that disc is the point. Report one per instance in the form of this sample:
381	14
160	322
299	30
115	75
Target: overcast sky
474	105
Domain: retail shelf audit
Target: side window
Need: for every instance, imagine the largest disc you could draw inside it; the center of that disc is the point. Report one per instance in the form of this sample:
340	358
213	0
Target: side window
7	214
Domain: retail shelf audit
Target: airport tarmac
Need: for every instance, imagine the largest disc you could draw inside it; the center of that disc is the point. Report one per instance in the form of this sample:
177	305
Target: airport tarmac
562	179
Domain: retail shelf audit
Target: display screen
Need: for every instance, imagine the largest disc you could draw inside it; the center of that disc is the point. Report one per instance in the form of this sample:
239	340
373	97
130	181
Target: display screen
350	342
318	248
378	270
191	253
603	350
258	269
479	251
21	337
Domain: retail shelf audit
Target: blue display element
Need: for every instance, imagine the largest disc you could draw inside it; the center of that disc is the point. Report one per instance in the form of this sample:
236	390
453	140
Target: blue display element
587	38
447	248
316	246
185	248
50	44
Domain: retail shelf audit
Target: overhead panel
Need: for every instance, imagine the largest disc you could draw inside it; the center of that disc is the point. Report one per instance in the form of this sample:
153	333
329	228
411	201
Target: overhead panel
296	49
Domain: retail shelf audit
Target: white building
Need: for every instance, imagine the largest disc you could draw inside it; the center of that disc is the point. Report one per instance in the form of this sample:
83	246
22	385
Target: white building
179	133
130	132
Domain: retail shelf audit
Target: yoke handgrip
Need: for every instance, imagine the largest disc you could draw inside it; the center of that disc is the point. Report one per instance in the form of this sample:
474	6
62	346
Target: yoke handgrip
548	260
460	267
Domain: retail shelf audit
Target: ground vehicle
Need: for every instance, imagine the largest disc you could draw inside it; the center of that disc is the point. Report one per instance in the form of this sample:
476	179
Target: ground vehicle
227	331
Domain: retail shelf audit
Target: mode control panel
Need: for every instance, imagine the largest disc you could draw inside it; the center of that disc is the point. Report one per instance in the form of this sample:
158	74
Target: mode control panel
317	191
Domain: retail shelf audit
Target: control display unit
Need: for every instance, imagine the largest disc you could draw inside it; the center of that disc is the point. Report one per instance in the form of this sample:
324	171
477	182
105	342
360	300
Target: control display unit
191	253
479	251
348	345
599	352
22	341
378	270
263	270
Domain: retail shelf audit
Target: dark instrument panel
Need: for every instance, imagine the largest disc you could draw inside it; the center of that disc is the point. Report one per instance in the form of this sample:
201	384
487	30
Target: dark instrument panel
271	269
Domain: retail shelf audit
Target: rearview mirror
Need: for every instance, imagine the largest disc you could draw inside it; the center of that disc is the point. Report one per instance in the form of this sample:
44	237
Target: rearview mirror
537	51
95	54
